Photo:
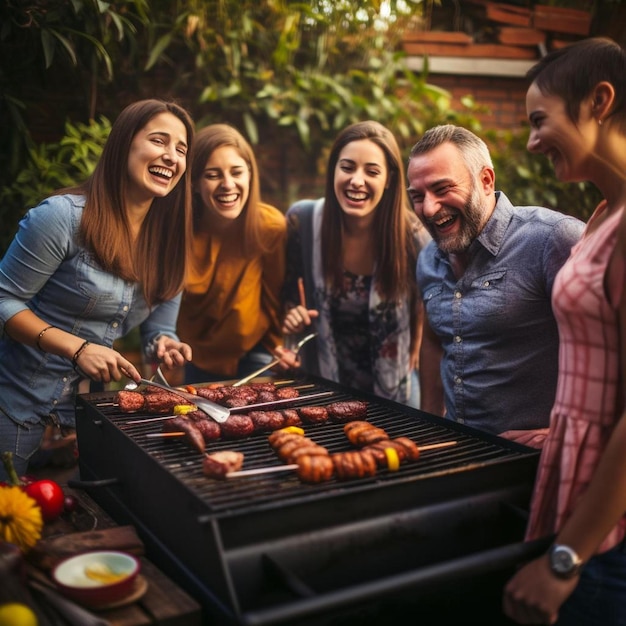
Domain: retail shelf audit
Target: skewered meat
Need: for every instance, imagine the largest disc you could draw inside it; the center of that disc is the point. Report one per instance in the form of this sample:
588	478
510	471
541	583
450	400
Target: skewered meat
210	429
290	446
313	414
347	411
237	425
354	464
315	469
266	386
240	396
218	464
130	401
182	424
266	396
283	393
291	417
267	420
215	394
409	446
363	433
161	402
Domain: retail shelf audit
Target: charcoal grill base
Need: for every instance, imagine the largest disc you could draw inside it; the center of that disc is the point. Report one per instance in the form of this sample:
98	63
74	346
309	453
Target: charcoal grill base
273	551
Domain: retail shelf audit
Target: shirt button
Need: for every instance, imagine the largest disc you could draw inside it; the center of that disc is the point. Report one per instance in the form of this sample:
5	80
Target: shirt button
64	379
115	324
486	283
458	339
457	380
458	294
54	402
125	308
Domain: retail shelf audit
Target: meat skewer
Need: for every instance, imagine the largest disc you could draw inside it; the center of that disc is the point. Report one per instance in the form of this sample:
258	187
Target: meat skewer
315	469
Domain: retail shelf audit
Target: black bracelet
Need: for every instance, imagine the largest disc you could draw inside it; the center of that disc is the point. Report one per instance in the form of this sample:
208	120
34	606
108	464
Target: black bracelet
79	352
40	335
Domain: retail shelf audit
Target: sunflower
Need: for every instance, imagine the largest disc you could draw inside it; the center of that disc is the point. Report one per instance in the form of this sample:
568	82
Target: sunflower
20	518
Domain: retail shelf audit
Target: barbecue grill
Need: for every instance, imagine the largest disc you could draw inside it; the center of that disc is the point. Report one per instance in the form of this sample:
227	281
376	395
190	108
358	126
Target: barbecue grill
268	549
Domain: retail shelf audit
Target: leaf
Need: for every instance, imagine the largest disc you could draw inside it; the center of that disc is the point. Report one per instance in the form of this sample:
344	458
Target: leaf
251	128
158	49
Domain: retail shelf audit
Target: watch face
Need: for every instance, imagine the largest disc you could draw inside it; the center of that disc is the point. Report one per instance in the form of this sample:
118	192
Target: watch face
564	561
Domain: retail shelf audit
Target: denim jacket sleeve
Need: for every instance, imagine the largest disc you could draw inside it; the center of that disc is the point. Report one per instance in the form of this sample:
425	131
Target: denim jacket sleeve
45	238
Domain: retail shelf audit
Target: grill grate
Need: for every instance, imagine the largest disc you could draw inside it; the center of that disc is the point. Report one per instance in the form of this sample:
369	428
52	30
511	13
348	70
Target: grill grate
175	456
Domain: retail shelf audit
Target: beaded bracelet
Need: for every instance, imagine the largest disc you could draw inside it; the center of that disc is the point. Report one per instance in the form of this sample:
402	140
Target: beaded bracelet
40	335
79	352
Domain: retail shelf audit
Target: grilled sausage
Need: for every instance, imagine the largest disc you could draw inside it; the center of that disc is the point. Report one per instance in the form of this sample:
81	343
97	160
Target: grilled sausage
283	393
354	464
267	420
362	433
130	401
347	411
182	424
210	429
161	401
313	414
315	469
291	417
237	425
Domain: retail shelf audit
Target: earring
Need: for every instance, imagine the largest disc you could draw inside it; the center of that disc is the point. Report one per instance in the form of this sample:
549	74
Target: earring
600	121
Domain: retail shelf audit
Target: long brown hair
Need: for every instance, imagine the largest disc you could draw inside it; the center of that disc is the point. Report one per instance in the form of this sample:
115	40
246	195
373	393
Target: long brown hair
394	222
158	258
207	141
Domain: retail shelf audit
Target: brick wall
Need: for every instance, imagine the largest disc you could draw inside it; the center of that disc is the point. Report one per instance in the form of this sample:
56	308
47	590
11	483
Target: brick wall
504	97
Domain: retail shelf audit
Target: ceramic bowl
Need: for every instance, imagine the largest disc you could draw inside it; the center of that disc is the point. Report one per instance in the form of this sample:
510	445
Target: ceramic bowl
97	578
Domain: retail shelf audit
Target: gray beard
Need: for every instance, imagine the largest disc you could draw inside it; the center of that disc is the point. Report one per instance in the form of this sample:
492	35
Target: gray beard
472	224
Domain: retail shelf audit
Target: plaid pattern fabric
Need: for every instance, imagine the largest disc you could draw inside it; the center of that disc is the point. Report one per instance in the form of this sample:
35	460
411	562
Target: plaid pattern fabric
586	405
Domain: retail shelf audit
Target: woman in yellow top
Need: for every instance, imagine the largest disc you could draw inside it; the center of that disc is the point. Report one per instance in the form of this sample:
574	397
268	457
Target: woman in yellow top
230	310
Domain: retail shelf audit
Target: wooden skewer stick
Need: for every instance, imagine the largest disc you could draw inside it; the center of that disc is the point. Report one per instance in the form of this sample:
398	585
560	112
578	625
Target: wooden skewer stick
301	292
436	446
285	468
159	435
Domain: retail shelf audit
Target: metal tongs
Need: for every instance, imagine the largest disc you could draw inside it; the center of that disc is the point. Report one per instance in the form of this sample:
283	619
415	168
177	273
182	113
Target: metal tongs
216	411
271	364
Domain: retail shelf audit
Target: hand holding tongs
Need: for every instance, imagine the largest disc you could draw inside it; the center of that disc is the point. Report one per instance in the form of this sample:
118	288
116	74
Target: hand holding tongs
249	377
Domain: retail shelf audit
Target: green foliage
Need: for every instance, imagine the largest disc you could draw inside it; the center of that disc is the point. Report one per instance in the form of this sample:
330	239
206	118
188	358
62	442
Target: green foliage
528	179
53	166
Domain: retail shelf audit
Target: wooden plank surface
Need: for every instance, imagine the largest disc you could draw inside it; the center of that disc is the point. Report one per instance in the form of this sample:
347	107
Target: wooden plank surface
90	528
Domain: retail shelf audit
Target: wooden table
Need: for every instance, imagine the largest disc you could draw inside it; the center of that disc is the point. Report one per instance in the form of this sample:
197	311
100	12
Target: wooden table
90	528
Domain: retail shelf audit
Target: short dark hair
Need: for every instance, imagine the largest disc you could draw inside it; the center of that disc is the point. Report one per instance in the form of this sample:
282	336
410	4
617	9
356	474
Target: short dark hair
572	72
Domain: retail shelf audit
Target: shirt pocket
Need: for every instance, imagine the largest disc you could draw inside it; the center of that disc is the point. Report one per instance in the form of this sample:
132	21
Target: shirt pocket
487	297
97	286
433	304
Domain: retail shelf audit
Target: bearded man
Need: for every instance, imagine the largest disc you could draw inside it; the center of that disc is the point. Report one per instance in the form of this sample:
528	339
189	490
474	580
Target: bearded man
489	351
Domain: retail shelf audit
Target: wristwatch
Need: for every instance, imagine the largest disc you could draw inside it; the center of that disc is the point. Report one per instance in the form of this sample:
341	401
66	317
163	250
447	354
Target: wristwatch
564	562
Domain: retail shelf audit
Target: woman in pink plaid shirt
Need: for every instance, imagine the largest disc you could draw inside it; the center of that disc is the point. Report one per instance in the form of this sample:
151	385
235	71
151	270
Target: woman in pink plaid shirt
576	105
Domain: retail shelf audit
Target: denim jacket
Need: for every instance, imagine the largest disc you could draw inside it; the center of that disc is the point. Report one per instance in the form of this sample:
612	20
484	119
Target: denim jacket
47	271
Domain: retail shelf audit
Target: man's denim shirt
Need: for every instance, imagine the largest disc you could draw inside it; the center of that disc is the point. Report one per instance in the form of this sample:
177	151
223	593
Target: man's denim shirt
45	270
497	330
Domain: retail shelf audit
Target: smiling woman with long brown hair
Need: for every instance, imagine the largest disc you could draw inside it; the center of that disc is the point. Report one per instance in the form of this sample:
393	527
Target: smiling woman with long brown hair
231	307
88	265
356	251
